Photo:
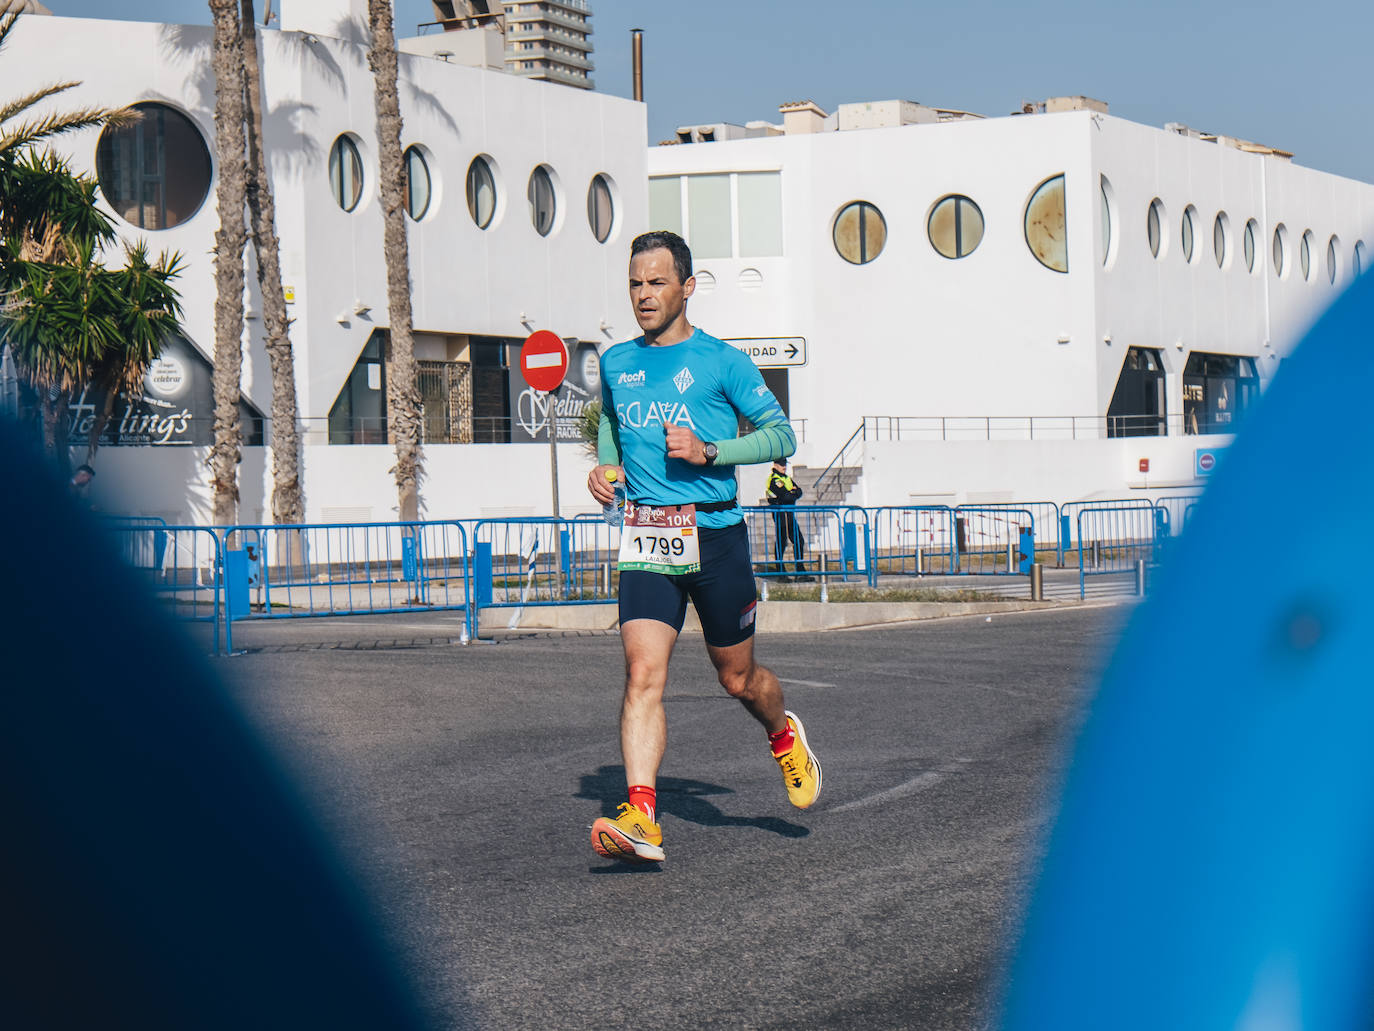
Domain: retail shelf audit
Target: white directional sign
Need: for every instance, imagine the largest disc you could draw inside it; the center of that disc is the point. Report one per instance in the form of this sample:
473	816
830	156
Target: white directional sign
773	352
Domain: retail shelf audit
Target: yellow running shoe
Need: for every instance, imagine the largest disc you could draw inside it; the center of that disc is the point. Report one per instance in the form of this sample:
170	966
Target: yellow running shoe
801	770
631	837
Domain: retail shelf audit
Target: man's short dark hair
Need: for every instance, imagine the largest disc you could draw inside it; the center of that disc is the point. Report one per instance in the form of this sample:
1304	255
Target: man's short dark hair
670	242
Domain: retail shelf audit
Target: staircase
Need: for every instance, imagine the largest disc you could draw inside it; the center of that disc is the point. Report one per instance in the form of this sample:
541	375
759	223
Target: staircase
837	486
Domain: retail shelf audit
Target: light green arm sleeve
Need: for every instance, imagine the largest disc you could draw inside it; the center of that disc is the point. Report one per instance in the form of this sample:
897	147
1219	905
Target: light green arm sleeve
772	440
607	436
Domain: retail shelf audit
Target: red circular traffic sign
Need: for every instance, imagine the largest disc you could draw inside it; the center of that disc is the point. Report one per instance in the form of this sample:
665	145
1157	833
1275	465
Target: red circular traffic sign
544	360
1205	461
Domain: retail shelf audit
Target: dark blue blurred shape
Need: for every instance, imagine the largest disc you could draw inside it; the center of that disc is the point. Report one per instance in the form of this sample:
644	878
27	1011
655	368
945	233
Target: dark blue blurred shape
1213	861
160	870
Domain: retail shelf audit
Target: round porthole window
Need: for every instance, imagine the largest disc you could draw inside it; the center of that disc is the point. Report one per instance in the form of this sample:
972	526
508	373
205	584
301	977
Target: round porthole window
600	208
346	173
155	171
419	188
543	201
860	232
1046	227
481	192
955	226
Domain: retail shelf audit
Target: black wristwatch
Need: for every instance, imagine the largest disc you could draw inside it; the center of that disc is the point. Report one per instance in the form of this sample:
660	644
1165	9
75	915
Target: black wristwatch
710	451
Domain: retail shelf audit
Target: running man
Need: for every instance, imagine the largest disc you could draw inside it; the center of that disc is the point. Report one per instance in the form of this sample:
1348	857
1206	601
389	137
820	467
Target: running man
670	407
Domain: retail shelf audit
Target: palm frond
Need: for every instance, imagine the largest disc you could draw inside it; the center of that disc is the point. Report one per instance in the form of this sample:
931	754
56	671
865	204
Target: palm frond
7	23
27	101
28	133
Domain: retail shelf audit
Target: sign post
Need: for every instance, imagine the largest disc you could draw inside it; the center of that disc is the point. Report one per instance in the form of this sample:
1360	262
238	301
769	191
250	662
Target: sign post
544	363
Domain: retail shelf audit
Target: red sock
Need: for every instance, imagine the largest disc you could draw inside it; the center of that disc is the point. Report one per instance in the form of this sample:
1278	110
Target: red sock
783	740
645	799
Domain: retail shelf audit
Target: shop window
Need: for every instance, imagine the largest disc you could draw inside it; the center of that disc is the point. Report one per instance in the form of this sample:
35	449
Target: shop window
358	415
1138	407
155	171
1217	388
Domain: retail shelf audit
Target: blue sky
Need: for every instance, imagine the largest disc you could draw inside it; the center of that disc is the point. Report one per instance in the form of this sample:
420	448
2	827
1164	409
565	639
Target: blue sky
1296	76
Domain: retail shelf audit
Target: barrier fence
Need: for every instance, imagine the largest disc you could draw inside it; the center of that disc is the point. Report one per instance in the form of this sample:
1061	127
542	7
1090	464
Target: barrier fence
913	541
339	569
262	571
181	565
1118	539
790	541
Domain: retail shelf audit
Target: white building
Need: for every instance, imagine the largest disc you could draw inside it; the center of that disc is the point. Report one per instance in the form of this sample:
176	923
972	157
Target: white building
1017	308
524	195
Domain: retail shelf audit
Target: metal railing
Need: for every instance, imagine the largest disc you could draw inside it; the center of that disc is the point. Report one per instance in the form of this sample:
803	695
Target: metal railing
1034	427
787	541
994	539
182	566
1117	539
826	483
336	569
915	540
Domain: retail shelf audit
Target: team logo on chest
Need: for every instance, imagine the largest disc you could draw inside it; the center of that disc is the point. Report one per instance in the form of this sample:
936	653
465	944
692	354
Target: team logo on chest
683	380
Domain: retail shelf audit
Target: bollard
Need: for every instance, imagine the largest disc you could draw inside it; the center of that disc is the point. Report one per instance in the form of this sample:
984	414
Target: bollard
606	579
920	561
1097	554
1140	577
1011	557
825	585
1037	582
763	591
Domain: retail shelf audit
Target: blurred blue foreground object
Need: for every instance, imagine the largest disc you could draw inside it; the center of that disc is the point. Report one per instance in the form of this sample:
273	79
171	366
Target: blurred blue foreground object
161	870
1212	864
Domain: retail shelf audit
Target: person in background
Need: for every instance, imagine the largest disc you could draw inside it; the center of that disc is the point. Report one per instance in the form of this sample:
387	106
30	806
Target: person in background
784	493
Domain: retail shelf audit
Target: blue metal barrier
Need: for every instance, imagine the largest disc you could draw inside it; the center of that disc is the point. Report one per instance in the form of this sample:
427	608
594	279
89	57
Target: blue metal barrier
990	538
1045	523
182	565
294	571
1178	506
1069	516
914	540
829	540
1114	539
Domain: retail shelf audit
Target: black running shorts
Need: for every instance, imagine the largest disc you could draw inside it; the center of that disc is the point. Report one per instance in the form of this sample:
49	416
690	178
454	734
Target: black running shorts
722	590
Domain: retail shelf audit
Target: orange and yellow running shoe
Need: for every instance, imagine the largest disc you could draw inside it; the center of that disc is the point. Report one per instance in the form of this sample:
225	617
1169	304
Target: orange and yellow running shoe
631	837
801	770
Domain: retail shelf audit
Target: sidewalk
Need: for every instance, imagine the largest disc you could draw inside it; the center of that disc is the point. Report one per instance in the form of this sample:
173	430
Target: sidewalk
773	616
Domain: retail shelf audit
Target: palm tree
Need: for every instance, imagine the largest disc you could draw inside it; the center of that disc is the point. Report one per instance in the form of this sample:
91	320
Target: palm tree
227	450
287	506
403	393
68	322
78	325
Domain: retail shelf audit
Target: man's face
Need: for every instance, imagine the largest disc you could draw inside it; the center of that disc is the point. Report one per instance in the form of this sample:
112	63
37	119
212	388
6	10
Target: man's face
656	295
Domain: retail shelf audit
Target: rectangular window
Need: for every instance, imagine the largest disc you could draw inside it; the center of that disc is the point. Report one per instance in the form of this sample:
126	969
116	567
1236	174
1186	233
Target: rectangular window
760	214
708	212
665	204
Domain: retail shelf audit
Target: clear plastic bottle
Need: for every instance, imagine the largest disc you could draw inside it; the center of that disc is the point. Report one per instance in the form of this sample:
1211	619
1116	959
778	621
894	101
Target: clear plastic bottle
614	513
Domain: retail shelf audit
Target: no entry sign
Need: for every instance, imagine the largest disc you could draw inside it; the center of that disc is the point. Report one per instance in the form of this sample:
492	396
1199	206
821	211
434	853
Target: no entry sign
544	360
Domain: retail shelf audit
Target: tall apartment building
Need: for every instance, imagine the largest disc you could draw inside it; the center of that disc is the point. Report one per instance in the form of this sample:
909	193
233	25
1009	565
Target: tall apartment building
544	39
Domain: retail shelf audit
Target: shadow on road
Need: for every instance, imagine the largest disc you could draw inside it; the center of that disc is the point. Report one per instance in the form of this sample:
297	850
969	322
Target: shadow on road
685	799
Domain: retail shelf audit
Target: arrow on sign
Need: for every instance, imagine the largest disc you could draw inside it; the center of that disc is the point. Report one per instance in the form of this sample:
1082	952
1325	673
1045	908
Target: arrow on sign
791	350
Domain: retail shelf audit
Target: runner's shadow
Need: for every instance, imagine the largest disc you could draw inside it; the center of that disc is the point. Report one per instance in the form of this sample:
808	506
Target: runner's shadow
684	799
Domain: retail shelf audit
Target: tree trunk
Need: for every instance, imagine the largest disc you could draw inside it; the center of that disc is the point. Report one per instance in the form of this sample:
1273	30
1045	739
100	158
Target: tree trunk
287	506
402	388
227	451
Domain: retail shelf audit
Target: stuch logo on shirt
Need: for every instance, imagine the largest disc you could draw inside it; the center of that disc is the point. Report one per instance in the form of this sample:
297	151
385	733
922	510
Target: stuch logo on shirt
631	379
682	381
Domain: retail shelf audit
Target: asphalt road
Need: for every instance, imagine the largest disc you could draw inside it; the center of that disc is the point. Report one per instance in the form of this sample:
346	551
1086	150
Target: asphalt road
465	780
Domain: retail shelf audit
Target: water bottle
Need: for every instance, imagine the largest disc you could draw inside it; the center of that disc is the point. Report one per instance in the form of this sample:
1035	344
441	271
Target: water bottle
614	512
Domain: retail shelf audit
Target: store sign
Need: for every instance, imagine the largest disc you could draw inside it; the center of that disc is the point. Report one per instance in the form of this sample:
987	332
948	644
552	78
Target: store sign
529	408
174	408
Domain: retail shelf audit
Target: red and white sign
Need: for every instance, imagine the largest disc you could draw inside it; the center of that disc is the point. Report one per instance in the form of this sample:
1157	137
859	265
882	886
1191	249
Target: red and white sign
1144	465
544	360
